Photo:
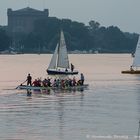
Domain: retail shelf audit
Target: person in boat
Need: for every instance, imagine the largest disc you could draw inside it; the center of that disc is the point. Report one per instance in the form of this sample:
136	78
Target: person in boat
82	79
29	80
58	83
70	82
74	81
131	68
63	83
39	82
44	83
72	67
49	82
54	84
36	83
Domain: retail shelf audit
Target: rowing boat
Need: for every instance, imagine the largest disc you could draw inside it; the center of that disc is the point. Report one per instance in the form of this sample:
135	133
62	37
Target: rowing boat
77	87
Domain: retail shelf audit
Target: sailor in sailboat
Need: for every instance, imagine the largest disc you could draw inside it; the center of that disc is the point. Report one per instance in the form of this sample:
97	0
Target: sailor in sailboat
72	67
131	68
60	63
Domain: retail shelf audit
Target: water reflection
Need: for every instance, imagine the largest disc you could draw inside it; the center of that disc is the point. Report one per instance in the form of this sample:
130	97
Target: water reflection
61	118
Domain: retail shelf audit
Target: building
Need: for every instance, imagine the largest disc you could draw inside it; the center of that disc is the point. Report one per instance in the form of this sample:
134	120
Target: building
22	21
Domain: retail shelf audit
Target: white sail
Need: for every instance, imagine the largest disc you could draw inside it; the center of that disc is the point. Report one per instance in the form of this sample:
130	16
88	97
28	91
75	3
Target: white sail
52	64
63	60
60	63
136	61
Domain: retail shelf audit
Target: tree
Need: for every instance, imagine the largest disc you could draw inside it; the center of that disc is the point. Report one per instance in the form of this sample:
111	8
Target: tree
93	37
93	25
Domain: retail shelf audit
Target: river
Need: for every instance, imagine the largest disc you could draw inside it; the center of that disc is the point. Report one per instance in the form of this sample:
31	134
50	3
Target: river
108	109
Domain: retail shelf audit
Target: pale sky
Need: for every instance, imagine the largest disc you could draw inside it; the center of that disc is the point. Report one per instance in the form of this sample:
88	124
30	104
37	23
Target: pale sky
121	13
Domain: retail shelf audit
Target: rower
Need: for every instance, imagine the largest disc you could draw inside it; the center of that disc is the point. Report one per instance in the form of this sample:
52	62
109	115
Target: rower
29	80
82	79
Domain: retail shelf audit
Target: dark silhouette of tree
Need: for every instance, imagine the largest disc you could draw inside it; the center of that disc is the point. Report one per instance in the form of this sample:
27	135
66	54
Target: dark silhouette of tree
94	25
93	37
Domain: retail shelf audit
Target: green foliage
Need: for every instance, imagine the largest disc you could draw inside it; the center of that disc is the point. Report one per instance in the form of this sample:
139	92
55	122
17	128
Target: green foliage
112	40
93	37
46	33
94	25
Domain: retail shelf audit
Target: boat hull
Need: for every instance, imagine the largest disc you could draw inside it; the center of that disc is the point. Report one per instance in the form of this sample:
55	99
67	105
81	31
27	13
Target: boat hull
131	72
55	72
25	87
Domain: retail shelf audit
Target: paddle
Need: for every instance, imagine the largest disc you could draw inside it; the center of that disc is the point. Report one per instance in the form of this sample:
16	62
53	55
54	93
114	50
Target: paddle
20	84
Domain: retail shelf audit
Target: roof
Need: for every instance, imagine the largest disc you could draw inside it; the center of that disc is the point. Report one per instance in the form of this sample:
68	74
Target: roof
27	9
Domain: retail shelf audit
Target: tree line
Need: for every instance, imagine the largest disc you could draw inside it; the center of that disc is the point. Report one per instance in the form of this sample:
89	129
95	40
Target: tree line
90	38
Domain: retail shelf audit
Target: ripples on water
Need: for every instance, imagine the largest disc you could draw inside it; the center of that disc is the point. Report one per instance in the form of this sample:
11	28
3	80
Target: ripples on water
110	107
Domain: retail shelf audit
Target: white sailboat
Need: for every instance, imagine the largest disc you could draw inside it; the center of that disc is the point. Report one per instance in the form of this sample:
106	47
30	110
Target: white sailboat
60	63
134	68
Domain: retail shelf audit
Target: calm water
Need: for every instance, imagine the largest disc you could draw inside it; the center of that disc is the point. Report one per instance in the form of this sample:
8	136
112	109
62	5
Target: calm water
109	109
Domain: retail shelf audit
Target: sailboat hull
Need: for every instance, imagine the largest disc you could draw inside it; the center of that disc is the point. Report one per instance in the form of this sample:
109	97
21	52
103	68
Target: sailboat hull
131	72
57	72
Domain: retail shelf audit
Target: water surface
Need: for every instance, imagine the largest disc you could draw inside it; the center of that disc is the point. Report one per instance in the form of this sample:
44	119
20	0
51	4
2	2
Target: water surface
109	109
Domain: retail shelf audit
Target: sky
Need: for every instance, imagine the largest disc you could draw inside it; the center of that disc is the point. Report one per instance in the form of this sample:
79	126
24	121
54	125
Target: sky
121	13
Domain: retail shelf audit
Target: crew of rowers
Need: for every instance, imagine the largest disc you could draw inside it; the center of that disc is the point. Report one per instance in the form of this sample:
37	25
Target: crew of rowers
56	82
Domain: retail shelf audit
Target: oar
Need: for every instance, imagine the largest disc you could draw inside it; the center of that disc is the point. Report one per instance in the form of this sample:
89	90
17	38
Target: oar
20	84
